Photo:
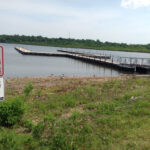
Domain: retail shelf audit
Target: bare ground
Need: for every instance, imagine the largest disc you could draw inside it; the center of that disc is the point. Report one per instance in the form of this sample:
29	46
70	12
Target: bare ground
51	81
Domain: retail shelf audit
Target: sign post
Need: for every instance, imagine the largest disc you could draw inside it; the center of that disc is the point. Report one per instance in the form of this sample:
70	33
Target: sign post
1	74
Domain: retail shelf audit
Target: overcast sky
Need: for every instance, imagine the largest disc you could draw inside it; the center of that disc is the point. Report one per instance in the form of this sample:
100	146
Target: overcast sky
106	20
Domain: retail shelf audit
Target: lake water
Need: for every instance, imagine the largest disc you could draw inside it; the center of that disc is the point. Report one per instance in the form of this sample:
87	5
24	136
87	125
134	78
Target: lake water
18	65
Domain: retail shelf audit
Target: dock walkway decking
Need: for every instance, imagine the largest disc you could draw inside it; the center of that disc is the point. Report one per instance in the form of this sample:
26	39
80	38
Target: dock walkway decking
91	58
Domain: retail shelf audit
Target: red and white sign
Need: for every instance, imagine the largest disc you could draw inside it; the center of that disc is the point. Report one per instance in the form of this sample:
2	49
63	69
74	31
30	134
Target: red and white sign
1	61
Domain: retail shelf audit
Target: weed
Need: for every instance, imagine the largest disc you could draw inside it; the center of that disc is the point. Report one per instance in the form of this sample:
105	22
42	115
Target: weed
50	118
69	100
105	108
39	92
38	130
52	105
91	106
91	92
30	143
28	124
75	115
28	88
59	142
8	142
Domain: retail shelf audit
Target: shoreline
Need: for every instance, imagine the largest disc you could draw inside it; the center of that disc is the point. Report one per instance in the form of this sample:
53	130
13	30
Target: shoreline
18	84
67	77
78	77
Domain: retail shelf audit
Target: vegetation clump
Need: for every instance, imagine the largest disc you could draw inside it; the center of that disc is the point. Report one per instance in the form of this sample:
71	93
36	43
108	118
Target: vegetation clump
11	111
28	88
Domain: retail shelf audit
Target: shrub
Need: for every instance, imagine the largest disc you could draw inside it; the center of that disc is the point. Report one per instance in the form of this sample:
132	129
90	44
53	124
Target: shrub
11	111
28	88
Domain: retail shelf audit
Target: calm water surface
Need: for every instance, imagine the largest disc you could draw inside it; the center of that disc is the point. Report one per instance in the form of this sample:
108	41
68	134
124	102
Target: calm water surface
17	65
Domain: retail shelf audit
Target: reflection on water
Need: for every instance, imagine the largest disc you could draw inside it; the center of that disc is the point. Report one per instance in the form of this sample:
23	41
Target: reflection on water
17	65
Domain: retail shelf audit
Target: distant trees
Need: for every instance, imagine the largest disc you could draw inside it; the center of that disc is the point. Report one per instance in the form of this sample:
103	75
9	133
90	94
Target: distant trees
74	43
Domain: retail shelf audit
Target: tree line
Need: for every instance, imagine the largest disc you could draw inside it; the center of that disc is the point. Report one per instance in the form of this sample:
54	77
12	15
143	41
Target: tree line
73	43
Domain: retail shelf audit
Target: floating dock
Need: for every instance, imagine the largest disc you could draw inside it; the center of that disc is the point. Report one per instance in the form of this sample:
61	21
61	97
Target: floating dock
91	58
85	54
28	52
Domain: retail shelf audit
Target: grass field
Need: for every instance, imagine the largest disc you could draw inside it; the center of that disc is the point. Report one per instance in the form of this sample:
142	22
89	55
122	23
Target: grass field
66	113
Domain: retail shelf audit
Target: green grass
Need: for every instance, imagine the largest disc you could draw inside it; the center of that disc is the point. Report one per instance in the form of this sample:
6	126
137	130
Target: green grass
110	115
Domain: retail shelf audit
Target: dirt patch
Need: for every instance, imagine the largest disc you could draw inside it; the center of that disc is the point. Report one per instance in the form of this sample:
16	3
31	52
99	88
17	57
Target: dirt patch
68	114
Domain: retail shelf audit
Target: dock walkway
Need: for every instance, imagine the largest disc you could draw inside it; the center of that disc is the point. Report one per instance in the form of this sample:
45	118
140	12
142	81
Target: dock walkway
91	58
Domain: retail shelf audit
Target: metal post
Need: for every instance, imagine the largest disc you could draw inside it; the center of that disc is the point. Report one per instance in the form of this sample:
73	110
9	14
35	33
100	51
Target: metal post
135	69
136	61
125	61
142	61
130	61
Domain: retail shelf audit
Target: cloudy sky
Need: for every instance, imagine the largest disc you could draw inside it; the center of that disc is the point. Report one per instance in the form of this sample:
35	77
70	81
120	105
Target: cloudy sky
106	20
